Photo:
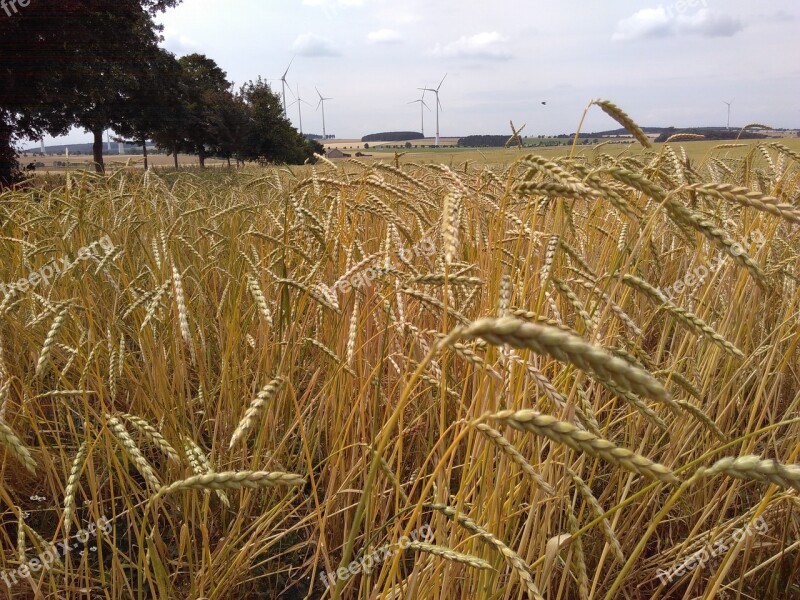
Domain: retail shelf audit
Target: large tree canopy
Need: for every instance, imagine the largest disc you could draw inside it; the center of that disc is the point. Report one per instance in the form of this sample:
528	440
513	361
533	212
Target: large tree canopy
97	64
66	62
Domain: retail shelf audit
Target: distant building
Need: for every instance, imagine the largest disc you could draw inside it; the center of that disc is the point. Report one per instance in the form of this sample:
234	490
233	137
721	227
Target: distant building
336	153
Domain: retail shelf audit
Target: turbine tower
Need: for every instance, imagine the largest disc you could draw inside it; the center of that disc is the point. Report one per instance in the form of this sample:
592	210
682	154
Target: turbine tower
438	104
729	112
422	107
322	104
299	103
283	85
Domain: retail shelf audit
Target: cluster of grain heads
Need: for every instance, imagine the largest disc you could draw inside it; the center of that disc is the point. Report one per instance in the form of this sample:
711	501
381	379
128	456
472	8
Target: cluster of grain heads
586	374
124	438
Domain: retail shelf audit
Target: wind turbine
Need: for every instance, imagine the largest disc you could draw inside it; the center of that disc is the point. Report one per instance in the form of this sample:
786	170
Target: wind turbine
422	107
283	84
322	104
299	101
729	112
438	104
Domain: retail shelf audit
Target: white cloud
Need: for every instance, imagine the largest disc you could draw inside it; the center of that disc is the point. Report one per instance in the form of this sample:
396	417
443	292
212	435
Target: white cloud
310	44
178	43
384	36
487	45
708	24
658	22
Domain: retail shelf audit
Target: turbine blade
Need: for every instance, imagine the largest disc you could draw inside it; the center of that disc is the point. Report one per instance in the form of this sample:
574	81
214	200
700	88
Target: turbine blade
289	67
441	82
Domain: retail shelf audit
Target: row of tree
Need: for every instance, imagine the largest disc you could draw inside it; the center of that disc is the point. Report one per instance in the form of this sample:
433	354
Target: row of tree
97	64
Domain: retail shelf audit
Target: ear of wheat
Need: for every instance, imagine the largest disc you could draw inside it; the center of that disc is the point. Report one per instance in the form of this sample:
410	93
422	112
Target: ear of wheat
583	441
565	347
15	447
254	409
232	480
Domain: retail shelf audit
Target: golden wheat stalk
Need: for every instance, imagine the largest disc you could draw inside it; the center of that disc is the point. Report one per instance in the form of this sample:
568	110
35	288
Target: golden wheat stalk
72	486
565	433
597	510
44	355
745	197
509	450
517	563
757	468
451	555
266	393
232	480
565	347
258	296
15	447
144	468
153	436
621	117
183	313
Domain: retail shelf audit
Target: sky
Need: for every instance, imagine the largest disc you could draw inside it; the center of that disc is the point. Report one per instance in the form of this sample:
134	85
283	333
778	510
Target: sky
666	64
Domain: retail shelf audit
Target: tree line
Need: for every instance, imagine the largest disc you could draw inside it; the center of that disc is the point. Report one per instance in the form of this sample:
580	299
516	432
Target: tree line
97	64
392	136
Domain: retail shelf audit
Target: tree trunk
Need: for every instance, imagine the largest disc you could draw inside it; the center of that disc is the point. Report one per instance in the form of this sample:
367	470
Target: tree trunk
144	152
229	162
176	157
9	167
202	156
97	151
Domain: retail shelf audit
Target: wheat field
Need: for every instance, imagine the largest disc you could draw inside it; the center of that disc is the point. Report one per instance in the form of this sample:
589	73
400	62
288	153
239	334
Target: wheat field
267	377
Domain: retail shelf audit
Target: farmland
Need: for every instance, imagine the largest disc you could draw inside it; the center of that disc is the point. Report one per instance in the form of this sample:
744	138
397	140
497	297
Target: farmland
263	378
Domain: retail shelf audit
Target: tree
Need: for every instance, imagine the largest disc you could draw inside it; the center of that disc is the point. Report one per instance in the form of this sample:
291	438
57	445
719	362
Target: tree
205	85
64	62
231	127
272	138
152	102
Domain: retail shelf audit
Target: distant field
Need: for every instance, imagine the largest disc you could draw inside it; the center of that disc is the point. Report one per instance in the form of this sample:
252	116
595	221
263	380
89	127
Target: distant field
112	160
695	151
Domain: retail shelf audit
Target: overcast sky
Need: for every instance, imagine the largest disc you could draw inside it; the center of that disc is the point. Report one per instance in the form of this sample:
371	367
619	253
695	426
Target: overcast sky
666	64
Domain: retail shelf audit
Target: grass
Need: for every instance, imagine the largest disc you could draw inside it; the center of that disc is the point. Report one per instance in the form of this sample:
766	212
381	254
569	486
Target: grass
522	390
